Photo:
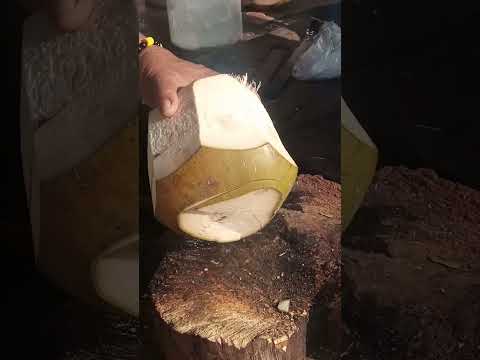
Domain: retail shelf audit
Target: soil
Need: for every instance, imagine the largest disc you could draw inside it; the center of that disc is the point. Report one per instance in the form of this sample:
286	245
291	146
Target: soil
411	257
411	276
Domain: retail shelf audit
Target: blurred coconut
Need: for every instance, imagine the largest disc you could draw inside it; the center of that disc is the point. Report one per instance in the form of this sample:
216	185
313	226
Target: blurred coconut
359	161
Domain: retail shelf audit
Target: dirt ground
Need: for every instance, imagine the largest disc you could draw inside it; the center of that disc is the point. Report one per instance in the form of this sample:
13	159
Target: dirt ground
411	276
411	279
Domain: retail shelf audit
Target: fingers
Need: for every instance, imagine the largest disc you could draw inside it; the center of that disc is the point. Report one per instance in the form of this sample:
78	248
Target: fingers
161	94
208	72
70	15
162	75
165	91
168	102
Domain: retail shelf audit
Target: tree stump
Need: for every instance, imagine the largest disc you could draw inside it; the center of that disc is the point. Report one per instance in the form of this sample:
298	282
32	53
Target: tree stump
220	301
411	284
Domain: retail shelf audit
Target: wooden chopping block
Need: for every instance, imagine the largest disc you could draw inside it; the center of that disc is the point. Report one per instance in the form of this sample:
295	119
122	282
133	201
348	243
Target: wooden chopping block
250	299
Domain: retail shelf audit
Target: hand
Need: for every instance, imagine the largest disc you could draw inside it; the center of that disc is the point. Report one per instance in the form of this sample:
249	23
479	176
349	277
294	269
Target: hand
162	75
71	15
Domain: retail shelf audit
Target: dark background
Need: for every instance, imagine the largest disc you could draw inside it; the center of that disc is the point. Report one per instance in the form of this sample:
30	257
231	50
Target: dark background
27	298
410	75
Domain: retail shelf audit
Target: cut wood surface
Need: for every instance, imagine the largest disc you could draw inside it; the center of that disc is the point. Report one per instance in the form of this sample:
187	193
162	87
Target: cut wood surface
411	269
220	300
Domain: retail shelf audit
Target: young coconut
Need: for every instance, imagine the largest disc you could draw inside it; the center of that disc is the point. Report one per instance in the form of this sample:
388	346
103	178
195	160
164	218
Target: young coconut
359	161
218	169
115	275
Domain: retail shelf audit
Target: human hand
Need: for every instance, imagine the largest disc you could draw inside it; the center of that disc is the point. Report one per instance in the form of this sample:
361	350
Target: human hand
162	75
71	15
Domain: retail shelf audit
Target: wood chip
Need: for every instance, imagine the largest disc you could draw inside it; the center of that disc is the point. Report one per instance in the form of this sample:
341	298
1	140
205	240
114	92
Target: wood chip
280	340
284	306
446	263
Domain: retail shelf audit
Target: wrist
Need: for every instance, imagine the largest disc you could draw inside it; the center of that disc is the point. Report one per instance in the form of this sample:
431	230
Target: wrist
147	42
153	60
154	54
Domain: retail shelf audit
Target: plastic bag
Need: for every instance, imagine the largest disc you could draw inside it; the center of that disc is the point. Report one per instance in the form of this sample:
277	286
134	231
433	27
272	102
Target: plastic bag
322	60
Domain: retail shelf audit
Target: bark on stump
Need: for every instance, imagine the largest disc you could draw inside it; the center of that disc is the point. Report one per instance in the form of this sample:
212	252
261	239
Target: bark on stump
411	285
219	301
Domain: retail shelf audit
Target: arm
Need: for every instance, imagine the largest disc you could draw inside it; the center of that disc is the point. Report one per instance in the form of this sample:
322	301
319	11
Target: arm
162	74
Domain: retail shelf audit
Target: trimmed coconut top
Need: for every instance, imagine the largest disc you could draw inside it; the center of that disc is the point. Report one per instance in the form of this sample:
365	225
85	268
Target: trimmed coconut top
232	116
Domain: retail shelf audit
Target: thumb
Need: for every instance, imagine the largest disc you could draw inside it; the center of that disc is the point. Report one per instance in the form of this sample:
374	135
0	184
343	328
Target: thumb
168	101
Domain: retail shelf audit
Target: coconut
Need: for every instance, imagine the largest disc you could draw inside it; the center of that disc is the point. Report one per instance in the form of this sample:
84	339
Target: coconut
116	275
359	160
218	170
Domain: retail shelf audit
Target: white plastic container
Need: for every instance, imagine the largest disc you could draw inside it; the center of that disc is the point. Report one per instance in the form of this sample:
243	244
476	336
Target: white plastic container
196	24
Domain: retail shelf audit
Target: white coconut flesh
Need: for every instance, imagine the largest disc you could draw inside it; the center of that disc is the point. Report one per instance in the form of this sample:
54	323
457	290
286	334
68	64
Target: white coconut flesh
221	112
233	219
115	275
